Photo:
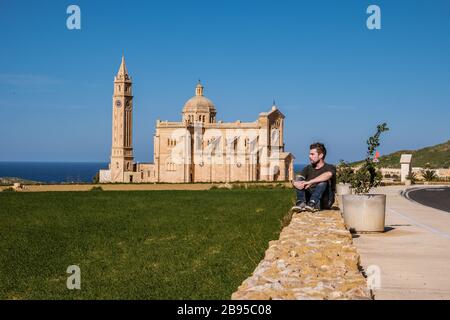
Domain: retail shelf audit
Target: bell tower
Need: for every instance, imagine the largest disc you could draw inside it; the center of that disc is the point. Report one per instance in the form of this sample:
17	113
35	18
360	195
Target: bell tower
122	125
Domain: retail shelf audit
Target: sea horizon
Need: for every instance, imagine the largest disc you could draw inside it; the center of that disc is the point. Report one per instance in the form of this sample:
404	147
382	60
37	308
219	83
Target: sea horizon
60	171
52	171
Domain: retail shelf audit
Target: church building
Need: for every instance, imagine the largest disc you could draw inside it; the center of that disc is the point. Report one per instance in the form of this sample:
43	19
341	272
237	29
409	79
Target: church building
199	148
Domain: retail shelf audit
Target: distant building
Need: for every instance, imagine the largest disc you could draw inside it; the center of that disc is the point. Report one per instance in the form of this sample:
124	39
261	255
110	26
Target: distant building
198	148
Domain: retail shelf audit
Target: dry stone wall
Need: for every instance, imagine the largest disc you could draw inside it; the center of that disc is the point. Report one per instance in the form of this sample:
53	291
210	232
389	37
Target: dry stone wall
314	258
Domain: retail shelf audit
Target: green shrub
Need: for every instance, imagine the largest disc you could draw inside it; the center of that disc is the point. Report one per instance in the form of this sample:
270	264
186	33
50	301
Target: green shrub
429	175
368	175
344	172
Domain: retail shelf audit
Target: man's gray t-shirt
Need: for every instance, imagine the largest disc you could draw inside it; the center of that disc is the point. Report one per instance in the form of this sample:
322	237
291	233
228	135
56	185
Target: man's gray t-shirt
309	172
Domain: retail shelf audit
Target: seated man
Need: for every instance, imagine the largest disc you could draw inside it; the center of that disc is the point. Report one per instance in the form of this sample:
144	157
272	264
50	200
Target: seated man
317	182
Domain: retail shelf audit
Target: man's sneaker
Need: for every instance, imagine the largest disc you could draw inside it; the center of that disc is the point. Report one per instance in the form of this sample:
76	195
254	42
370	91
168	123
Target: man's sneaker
299	207
312	206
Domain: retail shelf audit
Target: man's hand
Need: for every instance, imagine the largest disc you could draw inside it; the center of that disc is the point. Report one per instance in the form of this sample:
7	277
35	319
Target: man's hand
307	184
301	184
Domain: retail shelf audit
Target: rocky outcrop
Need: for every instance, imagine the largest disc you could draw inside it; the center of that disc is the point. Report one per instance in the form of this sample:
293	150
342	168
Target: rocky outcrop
314	258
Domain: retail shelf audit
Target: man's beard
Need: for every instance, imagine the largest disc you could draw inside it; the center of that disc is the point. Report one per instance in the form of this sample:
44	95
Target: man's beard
314	163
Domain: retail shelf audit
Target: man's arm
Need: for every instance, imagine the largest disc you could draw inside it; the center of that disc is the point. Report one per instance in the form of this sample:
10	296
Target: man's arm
322	178
301	184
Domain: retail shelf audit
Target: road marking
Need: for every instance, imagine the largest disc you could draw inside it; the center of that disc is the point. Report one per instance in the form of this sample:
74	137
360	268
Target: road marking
421	225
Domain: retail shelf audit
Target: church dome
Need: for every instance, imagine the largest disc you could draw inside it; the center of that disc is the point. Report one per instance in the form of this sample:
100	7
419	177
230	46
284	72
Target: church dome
199	103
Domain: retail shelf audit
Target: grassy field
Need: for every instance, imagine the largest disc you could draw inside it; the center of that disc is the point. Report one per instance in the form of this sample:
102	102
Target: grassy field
135	244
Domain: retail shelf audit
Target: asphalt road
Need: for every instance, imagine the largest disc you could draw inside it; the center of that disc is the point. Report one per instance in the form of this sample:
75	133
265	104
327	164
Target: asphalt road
437	197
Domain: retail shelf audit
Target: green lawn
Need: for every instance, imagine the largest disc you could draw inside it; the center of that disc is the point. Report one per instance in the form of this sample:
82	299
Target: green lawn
137	244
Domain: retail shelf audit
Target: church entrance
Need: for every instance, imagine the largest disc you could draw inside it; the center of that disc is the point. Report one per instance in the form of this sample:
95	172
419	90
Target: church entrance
276	173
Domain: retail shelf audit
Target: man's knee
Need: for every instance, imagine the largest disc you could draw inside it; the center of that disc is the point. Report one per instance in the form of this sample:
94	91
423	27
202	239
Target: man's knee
321	185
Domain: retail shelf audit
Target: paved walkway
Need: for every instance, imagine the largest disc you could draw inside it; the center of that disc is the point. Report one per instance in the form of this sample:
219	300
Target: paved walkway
414	252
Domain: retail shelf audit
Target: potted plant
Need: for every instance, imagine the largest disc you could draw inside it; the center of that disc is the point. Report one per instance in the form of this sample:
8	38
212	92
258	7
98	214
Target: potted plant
344	174
364	212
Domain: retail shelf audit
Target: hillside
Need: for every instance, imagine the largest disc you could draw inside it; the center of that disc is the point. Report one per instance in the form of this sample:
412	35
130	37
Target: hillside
6	181
437	156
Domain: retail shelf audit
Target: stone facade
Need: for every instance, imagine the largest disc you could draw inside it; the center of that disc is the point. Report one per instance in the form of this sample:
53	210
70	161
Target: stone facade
198	148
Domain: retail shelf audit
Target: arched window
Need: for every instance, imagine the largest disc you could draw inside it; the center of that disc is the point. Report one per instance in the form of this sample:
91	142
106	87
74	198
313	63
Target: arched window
170	166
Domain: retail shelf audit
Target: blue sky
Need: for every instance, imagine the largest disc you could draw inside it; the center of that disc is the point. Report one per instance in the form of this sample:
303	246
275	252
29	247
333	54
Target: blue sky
332	77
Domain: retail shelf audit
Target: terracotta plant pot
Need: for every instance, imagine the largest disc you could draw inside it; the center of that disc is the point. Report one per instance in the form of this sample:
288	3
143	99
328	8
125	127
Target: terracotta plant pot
364	212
